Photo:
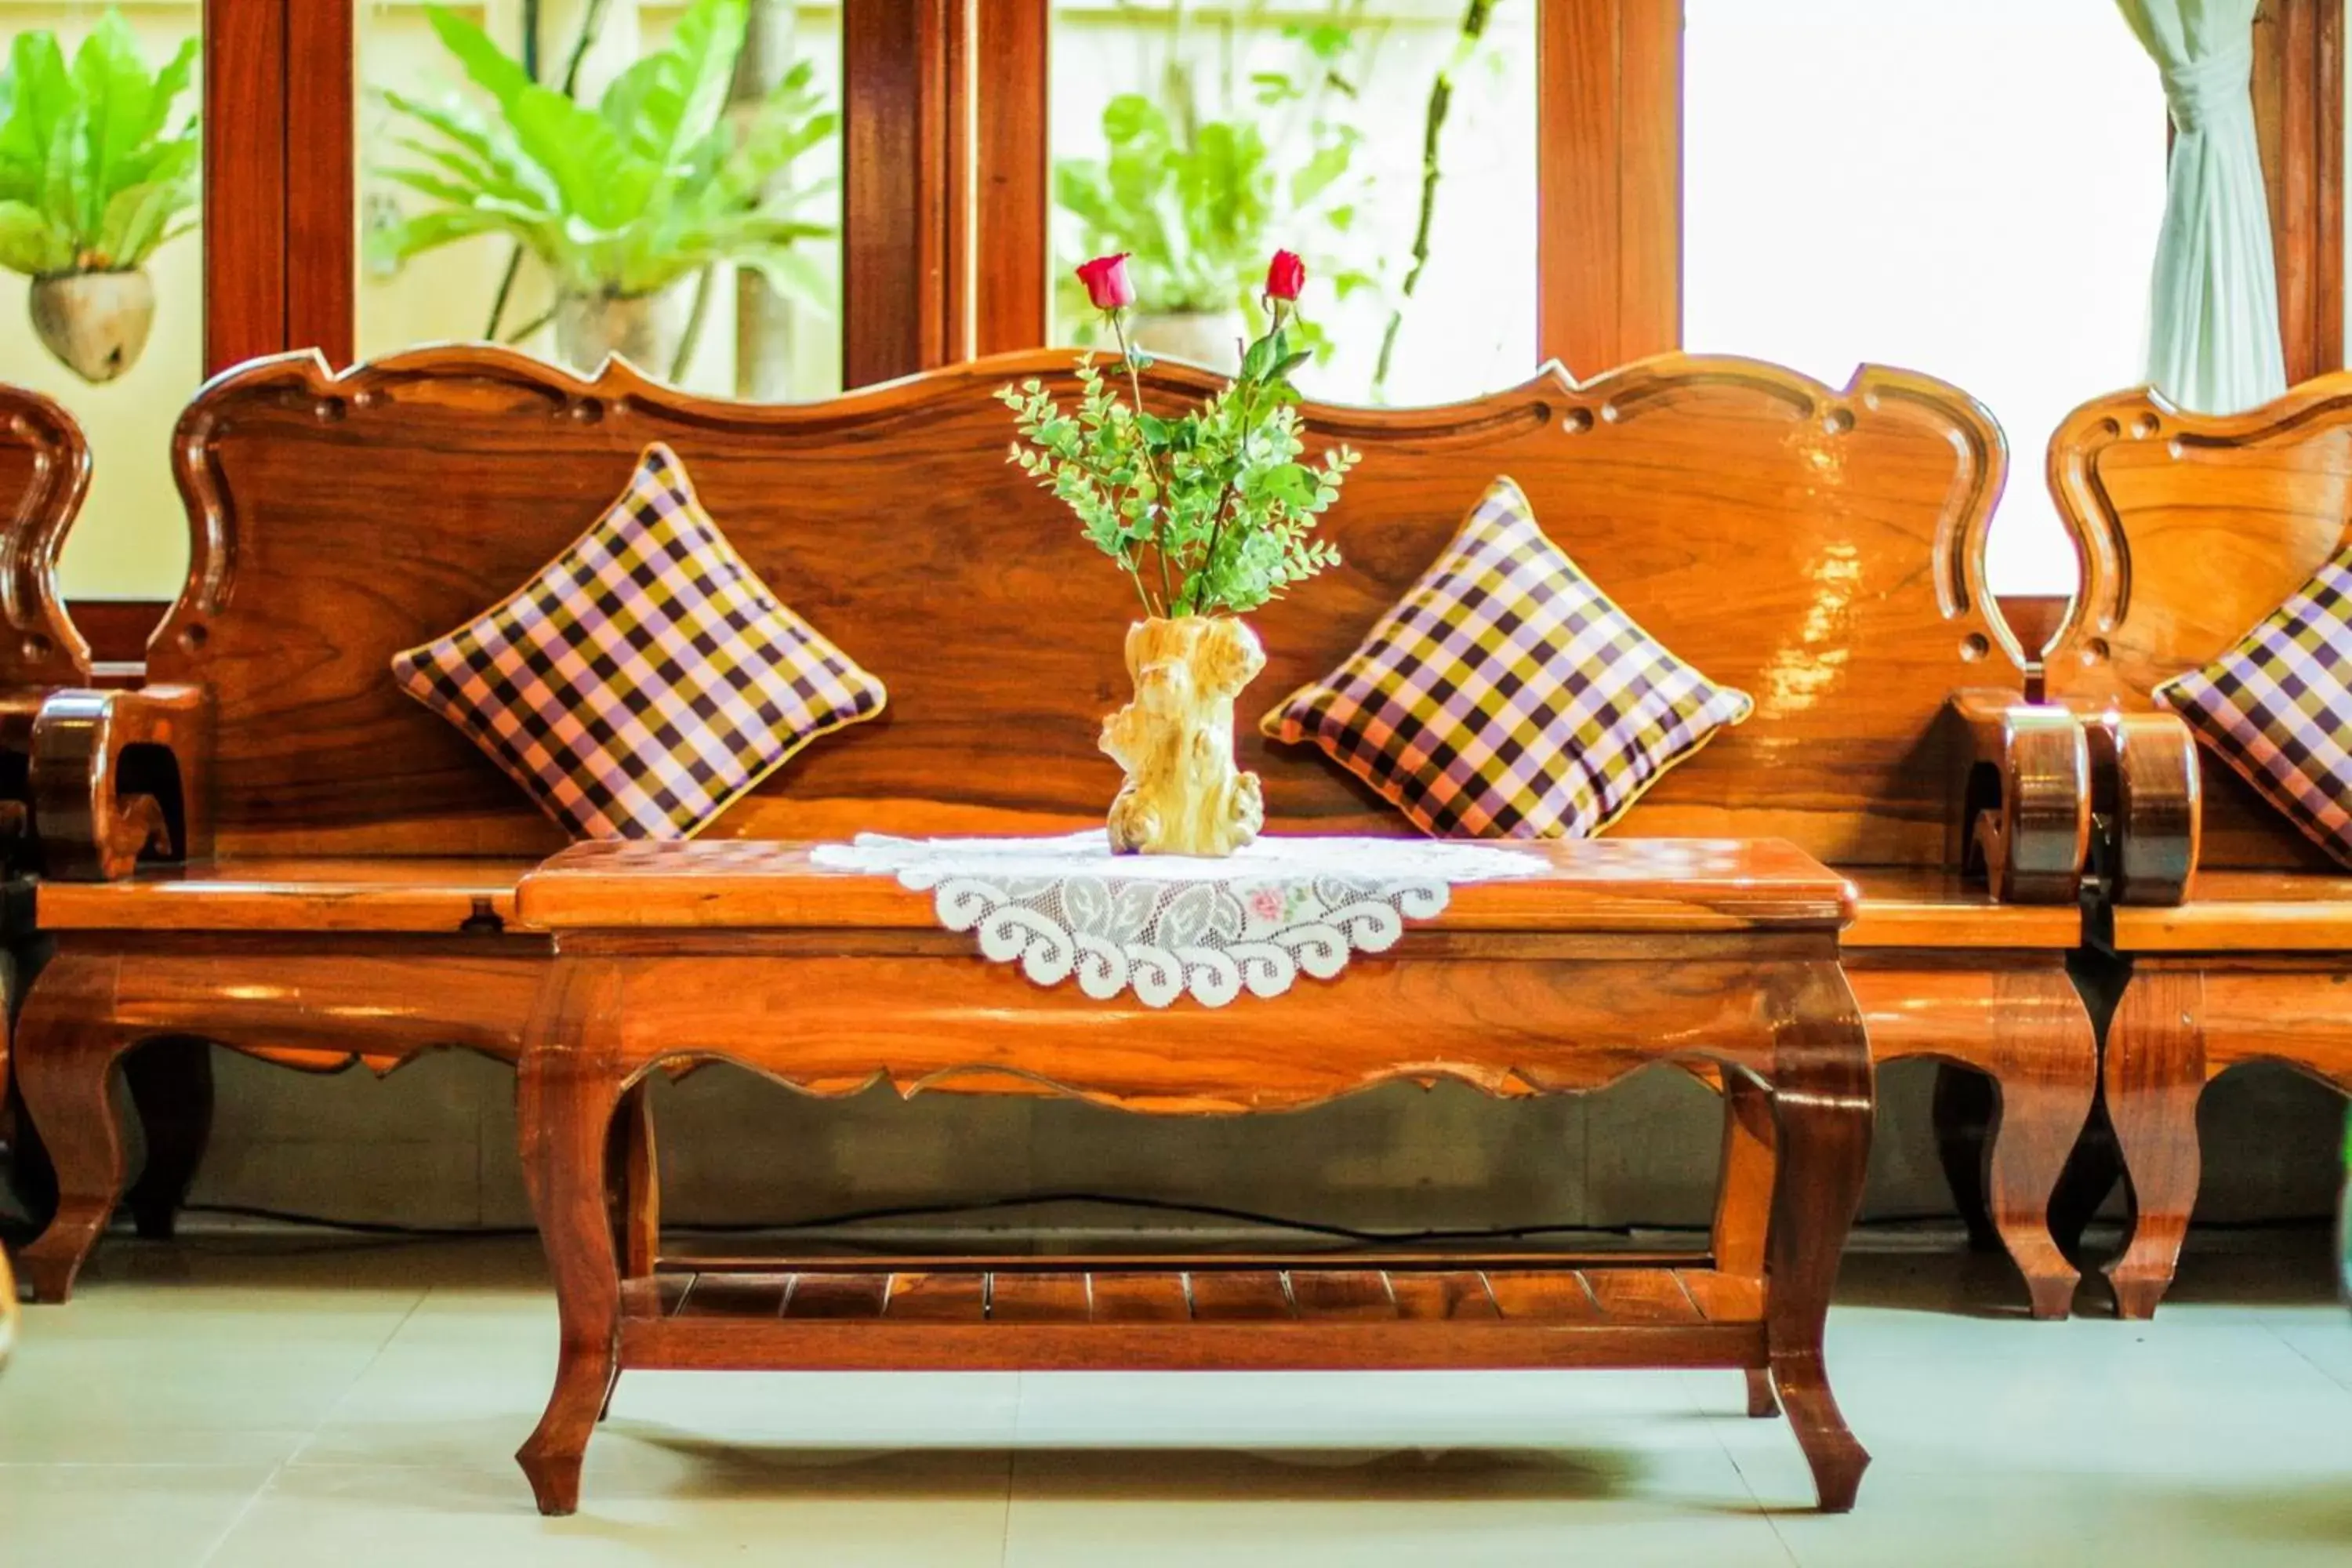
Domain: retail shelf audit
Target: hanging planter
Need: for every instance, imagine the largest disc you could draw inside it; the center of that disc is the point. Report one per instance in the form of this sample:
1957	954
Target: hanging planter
1210	338
643	329
97	181
95	322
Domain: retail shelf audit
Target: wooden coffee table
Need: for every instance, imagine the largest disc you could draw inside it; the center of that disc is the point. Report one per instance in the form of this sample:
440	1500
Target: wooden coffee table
1719	955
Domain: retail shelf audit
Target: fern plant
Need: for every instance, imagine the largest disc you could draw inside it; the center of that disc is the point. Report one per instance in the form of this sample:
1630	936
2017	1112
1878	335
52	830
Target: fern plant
622	199
93	168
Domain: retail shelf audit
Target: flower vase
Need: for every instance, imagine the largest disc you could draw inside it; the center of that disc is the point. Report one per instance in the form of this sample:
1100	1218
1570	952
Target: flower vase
1183	795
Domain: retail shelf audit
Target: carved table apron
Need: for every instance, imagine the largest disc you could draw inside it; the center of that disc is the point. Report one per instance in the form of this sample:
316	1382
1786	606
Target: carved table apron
1718	956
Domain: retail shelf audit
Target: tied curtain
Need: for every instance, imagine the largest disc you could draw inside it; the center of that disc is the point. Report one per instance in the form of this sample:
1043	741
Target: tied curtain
2213	327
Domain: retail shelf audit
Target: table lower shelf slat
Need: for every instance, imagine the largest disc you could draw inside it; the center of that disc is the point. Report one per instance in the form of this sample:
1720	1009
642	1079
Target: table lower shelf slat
1298	1319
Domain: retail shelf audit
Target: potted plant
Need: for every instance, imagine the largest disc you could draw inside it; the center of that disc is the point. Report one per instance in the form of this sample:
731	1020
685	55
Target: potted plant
1210	514
621	201
1194	202
92	174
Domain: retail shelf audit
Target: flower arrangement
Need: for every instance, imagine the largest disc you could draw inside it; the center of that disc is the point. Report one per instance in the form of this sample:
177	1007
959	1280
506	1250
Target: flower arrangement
1209	512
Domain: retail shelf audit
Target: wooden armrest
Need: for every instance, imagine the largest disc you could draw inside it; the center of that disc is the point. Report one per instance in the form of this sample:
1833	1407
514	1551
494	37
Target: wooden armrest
119	775
2145	792
2026	803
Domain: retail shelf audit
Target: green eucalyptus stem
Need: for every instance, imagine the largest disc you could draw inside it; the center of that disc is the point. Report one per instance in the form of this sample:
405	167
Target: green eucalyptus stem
1440	102
1276	313
1159	480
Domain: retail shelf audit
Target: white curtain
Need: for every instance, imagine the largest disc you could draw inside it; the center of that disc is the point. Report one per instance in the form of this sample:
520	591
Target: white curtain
2213	329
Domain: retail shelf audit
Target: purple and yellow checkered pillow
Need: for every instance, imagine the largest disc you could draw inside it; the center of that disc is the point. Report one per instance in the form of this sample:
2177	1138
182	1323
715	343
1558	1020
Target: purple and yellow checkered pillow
2277	707
1505	695
645	677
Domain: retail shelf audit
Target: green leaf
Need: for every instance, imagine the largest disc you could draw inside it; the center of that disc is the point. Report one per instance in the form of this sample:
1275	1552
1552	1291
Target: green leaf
29	244
485	64
672	99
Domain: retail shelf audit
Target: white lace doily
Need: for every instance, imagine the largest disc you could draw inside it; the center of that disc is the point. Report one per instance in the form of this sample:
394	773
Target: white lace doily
1166	925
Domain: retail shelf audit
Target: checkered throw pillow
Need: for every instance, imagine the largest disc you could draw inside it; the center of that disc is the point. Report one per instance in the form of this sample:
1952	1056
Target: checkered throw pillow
2277	707
645	677
1505	695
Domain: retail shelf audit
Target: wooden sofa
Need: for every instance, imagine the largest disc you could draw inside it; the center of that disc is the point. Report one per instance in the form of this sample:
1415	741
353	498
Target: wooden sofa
2235	932
347	894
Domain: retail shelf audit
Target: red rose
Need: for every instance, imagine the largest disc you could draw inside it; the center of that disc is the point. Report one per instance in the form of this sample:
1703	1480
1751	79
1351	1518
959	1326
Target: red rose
1108	284
1286	276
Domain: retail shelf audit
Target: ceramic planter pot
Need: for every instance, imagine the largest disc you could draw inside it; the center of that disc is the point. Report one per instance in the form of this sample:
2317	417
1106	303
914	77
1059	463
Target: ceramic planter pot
1211	339
643	329
1183	794
95	322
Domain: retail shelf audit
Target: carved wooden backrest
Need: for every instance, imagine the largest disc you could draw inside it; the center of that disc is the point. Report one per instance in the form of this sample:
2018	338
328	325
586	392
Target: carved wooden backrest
2196	526
44	474
1820	549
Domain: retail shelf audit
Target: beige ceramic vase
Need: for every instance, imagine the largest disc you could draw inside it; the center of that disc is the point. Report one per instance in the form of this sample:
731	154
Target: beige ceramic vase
95	322
1183	795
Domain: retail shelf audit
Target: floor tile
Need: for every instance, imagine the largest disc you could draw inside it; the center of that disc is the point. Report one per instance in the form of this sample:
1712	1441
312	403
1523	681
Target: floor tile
942	1507
120	1516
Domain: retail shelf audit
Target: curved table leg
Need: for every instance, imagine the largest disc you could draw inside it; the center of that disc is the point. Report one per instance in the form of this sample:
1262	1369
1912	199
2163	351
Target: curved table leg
568	1090
1823	1094
2154	1074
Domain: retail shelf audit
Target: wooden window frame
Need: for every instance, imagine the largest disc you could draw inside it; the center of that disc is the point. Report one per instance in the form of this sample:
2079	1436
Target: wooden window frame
945	212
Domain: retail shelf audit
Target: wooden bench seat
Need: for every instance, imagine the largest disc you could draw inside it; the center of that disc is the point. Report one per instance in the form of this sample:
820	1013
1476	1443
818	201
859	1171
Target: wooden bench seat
336	519
284	894
2228	932
1895	908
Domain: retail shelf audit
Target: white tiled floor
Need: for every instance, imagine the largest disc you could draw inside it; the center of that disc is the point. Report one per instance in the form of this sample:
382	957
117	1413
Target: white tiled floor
231	1401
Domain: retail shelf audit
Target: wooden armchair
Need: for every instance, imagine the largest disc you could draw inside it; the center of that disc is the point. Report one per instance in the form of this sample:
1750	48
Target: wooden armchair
43	475
2234	929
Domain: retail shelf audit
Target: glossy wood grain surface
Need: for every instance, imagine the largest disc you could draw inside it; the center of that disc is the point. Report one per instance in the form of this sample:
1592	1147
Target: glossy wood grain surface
424	894
337	519
2197	527
1605	885
44	474
2269	911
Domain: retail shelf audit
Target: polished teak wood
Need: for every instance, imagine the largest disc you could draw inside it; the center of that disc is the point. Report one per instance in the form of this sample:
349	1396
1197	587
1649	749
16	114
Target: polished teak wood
2235	929
1721	955
337	517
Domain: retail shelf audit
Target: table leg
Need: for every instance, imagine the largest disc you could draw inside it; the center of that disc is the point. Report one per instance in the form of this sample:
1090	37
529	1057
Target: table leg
1743	1204
633	1171
569	1088
1823	1100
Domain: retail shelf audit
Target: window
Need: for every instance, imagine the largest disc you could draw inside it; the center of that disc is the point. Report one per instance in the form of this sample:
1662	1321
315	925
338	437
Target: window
756	316
1971	191
118	339
1203	135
